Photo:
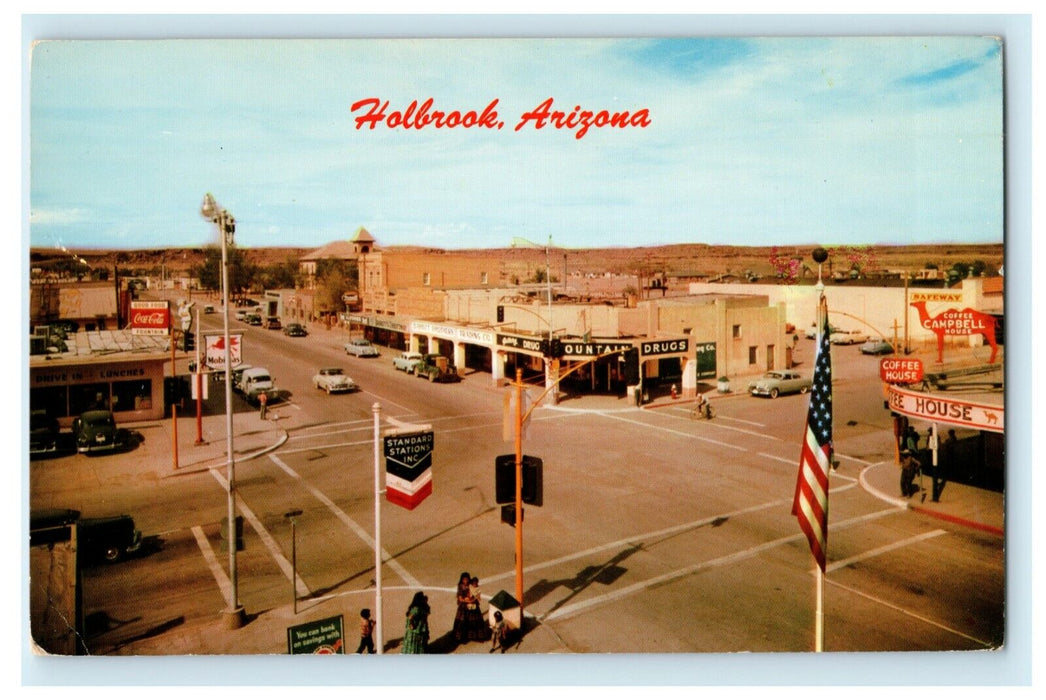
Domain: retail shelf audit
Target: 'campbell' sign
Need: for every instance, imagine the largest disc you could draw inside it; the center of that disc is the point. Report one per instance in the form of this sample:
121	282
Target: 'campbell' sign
901	370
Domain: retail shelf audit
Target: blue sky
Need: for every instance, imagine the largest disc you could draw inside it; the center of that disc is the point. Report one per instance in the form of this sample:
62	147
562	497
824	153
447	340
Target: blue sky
751	141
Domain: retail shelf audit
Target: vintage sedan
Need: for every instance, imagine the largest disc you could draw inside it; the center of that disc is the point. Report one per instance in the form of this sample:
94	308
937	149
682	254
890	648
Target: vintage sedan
406	361
333	380
107	539
778	382
841	337
876	346
295	330
360	347
95	431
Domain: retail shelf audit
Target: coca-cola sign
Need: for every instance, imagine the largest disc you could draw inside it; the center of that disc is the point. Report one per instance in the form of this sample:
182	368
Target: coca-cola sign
150	317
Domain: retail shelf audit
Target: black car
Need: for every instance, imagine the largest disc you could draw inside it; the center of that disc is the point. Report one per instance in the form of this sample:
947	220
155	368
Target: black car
95	431
98	539
295	330
43	432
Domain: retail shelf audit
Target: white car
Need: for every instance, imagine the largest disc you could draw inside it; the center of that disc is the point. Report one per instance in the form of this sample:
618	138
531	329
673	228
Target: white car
406	360
241	314
841	337
360	347
333	380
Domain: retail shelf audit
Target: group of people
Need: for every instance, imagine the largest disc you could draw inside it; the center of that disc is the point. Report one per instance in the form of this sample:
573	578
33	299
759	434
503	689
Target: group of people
912	467
469	623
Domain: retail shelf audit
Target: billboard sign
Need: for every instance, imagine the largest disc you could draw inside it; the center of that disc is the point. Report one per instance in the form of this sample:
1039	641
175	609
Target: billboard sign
901	370
214	356
150	318
325	636
933	407
408	468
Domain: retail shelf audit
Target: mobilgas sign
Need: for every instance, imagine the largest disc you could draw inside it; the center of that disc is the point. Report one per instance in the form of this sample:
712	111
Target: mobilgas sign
933	407
664	347
593	349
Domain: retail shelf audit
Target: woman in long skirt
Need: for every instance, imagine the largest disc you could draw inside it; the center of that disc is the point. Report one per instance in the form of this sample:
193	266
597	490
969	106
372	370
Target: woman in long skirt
416	634
461	616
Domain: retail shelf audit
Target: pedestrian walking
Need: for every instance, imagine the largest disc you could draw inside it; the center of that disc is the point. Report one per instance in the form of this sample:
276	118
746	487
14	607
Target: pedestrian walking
416	634
366	632
263	402
909	468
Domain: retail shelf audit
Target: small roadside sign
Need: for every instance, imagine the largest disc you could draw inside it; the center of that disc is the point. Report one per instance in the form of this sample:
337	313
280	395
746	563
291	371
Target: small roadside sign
901	370
317	637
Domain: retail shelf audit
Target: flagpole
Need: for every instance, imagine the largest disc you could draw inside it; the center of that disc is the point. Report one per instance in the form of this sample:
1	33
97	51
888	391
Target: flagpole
822	323
519	491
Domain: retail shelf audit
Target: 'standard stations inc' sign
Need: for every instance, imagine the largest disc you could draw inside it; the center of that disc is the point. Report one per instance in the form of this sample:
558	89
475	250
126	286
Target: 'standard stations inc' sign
408	468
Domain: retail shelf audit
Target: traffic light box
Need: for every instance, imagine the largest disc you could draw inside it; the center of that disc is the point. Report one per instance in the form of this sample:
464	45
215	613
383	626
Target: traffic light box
505	480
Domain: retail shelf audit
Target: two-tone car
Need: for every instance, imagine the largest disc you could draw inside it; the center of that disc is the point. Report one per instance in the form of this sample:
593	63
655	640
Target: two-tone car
295	330
843	337
777	382
406	361
876	346
334	380
360	347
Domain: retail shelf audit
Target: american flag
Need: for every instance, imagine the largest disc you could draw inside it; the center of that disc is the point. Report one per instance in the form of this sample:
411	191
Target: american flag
811	490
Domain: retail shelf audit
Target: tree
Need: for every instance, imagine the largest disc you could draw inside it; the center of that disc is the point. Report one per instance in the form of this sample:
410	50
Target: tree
333	278
241	271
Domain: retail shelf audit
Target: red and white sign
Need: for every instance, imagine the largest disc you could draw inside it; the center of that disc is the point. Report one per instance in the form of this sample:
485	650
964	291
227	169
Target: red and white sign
214	356
901	370
933	407
150	318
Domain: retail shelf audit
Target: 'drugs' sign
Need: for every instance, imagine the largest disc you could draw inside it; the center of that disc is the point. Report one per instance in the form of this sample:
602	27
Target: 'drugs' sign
408	468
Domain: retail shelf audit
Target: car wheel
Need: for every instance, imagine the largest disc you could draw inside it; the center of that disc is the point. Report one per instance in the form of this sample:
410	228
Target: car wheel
804	389
328	390
112	554
432	376
773	393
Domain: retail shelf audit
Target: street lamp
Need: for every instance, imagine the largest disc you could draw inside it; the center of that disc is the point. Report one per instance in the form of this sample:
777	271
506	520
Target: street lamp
226	224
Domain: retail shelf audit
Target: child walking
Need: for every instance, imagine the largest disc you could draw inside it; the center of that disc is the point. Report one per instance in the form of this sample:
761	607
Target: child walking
366	632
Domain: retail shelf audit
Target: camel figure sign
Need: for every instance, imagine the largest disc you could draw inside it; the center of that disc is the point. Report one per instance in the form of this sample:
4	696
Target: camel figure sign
955	322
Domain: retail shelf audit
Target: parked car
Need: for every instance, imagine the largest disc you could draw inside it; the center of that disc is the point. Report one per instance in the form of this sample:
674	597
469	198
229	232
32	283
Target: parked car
876	346
295	330
43	432
360	347
334	379
273	323
437	369
406	360
841	337
208	309
241	315
256	381
254	319
95	431
778	382
98	539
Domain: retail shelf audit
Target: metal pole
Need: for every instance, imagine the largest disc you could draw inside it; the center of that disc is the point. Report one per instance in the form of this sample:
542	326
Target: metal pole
294	566
199	385
519	491
235	612
379	644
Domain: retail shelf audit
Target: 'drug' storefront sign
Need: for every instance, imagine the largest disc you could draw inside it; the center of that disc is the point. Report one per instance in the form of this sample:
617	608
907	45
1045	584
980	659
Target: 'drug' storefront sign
933	407
670	346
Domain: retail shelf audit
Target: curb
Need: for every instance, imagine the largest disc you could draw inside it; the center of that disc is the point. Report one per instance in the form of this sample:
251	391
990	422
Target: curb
213	462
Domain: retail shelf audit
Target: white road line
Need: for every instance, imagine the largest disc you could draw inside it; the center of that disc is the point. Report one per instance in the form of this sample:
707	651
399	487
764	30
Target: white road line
909	613
220	577
349	522
683	434
880	550
641	586
795	463
266	538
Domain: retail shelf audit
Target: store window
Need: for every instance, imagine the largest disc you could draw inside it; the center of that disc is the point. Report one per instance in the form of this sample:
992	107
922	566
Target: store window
133	396
736	330
88	397
53	399
753	354
426	278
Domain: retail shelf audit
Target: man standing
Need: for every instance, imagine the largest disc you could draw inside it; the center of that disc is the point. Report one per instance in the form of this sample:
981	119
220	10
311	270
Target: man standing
909	468
263	402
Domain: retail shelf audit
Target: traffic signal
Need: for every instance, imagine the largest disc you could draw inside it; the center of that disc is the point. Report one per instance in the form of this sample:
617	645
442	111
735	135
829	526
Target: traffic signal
187	341
508	515
505	480
501	313
556	348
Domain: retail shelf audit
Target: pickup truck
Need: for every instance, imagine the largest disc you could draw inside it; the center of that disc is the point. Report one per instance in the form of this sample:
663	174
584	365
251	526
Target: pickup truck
256	381
436	368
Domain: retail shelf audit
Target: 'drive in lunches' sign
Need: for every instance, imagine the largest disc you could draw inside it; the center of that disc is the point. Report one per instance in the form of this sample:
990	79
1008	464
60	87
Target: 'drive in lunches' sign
150	318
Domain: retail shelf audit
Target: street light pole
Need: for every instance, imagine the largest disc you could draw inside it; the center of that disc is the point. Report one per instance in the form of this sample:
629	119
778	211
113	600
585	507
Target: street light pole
226	227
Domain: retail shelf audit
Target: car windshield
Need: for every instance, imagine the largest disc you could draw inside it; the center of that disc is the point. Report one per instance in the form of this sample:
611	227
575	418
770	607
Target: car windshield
103	419
772	375
331	371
